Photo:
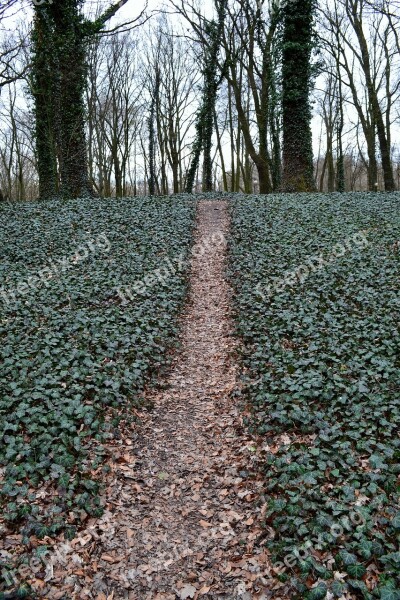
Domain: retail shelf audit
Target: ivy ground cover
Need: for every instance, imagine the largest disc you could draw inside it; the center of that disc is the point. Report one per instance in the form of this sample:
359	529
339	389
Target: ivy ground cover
90	292
316	280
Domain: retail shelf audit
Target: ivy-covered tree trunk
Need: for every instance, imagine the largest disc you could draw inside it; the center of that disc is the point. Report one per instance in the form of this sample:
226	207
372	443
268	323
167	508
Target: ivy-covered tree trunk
43	91
205	118
208	130
70	48
196	153
59	78
296	83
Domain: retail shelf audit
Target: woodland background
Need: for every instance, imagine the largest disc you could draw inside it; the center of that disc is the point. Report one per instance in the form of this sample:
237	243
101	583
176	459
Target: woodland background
145	85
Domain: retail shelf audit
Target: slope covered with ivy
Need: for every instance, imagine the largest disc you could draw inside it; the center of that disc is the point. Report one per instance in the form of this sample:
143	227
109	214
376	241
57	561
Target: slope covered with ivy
74	353
317	303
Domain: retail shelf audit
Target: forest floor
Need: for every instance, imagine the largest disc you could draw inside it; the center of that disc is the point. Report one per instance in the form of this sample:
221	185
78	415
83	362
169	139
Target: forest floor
188	494
185	497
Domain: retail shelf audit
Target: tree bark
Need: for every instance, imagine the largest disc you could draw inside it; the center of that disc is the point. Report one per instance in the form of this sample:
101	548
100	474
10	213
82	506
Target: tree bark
70	50
205	124
383	135
296	83
43	90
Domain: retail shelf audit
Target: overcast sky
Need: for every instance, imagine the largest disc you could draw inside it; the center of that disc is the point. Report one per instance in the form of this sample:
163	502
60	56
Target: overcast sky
133	8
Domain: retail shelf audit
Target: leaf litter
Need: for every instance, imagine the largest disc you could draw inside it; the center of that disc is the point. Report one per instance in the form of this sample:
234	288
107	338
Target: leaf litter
183	502
183	499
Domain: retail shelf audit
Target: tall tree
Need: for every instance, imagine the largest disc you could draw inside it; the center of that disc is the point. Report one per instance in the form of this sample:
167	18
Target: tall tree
155	97
329	114
70	79
43	89
340	175
252	61
205	120
60	58
354	9
297	47
365	46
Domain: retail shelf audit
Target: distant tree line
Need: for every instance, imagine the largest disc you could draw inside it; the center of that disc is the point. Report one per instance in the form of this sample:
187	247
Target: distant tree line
202	102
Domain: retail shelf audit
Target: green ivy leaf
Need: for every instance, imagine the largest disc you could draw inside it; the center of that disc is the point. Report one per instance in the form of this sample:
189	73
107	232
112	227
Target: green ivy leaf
356	571
318	593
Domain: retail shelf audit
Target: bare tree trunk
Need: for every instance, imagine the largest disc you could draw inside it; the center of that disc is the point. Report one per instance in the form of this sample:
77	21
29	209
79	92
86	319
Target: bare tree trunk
221	154
353	8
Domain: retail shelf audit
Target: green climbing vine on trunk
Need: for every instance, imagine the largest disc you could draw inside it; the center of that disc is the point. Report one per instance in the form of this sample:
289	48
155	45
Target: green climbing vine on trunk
60	39
205	118
297	75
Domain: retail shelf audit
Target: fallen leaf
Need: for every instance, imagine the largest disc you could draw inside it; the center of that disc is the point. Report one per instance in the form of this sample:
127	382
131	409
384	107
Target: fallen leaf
205	523
108	558
187	592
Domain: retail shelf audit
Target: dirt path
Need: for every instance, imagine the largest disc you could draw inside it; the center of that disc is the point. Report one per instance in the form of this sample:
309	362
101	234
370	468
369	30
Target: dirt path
180	520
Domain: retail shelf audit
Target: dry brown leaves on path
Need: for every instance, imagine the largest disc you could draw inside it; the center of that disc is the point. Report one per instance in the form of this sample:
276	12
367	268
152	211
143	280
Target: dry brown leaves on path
182	503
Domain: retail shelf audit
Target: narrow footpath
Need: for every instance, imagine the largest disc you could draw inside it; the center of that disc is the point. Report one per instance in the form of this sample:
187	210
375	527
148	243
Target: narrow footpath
182	512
